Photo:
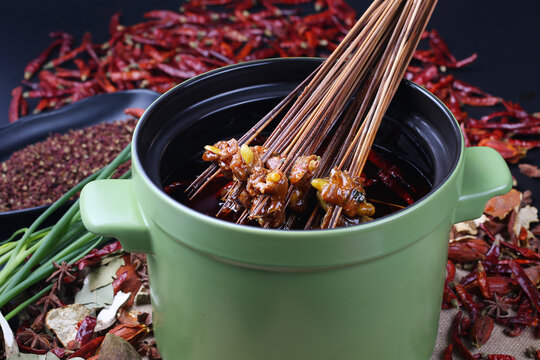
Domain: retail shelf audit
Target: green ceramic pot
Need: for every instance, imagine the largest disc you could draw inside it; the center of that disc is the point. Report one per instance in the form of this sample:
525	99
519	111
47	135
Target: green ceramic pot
229	292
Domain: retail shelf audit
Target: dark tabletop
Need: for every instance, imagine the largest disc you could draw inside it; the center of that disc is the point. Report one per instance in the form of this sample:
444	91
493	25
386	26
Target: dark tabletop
504	34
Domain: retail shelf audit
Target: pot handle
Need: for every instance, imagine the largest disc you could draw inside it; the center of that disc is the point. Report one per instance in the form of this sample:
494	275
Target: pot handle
108	207
485	175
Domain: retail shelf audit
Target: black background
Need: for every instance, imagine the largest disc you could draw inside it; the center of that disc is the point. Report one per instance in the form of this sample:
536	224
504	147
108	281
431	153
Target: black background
504	34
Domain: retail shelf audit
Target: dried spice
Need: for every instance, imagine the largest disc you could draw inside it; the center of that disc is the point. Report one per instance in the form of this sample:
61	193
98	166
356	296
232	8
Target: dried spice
500	287
63	274
41	173
77	334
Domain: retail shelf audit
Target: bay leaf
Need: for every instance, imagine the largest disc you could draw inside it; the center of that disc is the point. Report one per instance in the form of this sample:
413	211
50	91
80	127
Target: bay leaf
105	274
96	299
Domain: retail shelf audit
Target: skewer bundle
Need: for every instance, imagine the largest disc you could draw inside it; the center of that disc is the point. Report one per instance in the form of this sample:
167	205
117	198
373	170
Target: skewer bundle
336	112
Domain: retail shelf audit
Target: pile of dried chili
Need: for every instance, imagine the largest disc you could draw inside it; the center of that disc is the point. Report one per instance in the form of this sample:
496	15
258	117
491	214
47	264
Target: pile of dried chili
498	273
132	321
169	47
505	126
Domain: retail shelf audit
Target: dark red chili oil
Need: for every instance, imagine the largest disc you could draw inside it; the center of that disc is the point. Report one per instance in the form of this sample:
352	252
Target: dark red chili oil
391	186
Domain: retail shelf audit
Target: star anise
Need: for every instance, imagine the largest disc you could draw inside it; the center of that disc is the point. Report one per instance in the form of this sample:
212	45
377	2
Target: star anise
62	274
149	349
49	301
35	341
498	307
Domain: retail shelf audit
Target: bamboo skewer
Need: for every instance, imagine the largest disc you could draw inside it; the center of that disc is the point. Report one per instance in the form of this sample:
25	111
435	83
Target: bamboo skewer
346	97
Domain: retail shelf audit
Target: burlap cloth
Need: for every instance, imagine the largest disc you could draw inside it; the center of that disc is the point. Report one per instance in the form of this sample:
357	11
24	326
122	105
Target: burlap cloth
499	343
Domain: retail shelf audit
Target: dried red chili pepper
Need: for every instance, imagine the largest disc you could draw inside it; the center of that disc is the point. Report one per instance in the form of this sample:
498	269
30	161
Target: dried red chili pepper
120	279
114	23
460	346
103	82
449	298
497	284
447	355
63	58
525	252
89	47
132	75
89	349
95	255
468	88
492	256
394	185
42	104
519	126
14	105
181	74
468	250
68	73
48	93
66	41
479	101
519	323
467	300
390	168
501	285
481	330
525	283
483	281
466	61
450	271
440	49
500	357
508	151
54	81
131	333
85	332
38	62
84	70
24	107
135	112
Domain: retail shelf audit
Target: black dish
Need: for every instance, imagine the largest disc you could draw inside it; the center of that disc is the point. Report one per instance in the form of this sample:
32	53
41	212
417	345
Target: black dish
35	128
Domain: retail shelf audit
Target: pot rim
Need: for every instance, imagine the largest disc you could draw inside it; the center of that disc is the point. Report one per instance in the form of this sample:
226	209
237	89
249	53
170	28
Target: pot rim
211	221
